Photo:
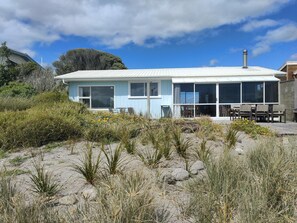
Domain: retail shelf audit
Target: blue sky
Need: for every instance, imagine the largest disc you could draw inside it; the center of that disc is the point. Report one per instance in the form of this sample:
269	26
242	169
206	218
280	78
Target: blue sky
154	33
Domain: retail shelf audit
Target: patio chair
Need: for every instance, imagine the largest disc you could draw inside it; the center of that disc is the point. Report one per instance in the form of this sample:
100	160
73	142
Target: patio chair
278	111
131	111
234	112
245	111
262	111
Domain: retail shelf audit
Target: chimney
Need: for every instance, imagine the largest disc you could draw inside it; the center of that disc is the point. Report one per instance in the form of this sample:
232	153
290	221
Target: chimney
245	54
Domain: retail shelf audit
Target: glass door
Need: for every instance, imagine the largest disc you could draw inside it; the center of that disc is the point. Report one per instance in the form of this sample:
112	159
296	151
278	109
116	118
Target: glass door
205	100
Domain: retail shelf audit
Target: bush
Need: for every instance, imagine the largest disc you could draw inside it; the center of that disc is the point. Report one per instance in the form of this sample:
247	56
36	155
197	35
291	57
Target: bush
17	89
250	127
37	127
15	103
207	129
104	133
51	97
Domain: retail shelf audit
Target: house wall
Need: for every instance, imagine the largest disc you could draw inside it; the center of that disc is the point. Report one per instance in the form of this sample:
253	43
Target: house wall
289	69
121	96
288	96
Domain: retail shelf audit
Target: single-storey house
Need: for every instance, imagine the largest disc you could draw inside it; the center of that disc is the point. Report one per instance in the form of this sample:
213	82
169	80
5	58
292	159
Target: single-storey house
182	92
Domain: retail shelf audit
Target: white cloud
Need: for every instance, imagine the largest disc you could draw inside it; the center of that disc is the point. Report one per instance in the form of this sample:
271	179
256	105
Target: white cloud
213	62
258	24
293	57
115	23
285	33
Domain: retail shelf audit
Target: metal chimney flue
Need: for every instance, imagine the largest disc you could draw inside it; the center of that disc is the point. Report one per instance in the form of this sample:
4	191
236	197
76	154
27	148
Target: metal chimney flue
245	55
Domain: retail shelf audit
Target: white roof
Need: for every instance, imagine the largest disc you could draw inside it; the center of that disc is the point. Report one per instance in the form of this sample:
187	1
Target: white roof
169	73
287	64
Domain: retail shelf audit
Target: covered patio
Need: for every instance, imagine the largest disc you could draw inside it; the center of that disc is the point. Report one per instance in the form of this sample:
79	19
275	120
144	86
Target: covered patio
215	96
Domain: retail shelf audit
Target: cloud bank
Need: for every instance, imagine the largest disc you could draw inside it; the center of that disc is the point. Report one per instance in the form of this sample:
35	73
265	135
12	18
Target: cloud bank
116	23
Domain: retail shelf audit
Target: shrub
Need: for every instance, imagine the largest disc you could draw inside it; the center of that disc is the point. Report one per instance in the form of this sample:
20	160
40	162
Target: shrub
36	127
51	97
208	129
88	168
250	127
17	89
15	103
43	182
104	133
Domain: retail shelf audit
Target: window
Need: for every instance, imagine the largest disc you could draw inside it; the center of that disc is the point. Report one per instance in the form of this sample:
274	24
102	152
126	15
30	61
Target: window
97	97
140	89
271	91
229	93
252	92
184	93
205	93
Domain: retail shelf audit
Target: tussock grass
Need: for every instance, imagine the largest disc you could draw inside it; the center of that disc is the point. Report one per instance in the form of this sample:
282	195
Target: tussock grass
180	144
203	152
130	199
230	138
89	165
43	182
114	161
260	187
150	157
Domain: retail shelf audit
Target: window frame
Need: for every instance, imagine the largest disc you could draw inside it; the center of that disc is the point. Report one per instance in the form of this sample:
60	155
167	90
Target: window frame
143	82
90	97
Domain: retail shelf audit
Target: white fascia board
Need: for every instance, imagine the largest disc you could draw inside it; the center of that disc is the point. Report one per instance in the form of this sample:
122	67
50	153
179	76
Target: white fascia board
224	79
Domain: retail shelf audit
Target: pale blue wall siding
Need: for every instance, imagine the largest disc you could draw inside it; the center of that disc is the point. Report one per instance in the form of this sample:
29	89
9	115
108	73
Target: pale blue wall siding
121	96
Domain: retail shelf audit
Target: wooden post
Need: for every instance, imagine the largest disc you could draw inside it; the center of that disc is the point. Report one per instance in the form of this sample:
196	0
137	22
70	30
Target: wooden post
148	99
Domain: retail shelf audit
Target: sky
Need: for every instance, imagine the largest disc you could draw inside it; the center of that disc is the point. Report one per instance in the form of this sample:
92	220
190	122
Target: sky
155	33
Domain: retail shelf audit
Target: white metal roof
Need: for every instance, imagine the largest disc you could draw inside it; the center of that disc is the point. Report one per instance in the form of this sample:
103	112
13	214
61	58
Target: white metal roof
169	73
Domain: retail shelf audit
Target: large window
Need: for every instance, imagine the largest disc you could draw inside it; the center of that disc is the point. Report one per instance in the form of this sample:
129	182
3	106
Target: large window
184	93
140	89
229	93
205	93
97	97
252	92
271	92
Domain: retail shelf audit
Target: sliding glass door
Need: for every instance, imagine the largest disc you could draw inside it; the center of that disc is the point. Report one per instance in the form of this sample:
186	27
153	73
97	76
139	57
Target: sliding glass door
216	99
205	100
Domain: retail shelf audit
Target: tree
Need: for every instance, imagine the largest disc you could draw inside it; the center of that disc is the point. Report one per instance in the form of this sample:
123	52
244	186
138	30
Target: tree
8	70
42	79
87	59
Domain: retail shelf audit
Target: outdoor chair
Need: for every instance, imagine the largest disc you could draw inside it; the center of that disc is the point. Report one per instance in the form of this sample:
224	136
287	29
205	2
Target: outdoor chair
234	112
262	112
131	111
278	111
245	111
